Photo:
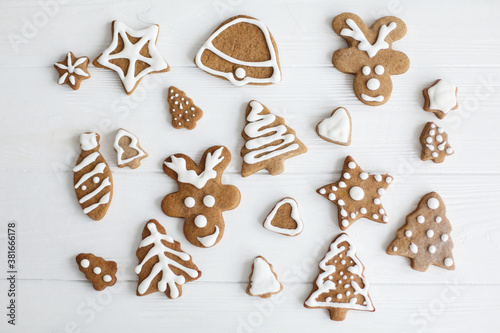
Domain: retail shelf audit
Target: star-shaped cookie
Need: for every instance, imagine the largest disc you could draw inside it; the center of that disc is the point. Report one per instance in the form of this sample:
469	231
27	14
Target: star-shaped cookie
440	98
357	194
72	70
132	54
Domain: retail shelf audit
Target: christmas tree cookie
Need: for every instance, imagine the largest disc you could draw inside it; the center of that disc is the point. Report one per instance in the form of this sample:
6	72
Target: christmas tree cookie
425	237
268	141
100	272
184	112
263	280
340	286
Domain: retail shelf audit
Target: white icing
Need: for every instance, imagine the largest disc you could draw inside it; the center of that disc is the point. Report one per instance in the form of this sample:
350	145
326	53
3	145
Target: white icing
420	219
210	240
84	187
442	96
366	70
438	219
342	185
134	144
97	270
408	233
448	262
351	165
356	193
432	249
430	233
208	200
105	183
294	214
346	175
444	237
131	52
322	191
364	44
325	286
200	221
331	196
86	161
257	129
96	180
85	263
164	263
104	200
107	278
376	201
88	141
433	203
367	98
189	202
337	127
240	73
379	69
363	210
413	248
99	168
363	176
178	164
263	280
272	62
373	84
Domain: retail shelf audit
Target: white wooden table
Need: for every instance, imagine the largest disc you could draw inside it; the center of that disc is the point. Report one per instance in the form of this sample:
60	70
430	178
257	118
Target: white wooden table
41	121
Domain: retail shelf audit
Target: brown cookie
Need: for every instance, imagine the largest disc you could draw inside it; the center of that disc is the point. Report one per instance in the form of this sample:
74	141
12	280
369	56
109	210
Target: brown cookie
184	112
100	272
440	98
268	141
202	197
337	128
129	152
357	194
434	141
73	70
92	178
285	218
242	51
163	266
370	56
263	281
132	54
340	286
425	237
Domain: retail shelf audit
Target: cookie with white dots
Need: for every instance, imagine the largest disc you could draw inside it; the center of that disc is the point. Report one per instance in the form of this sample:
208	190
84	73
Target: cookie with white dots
100	272
201	198
425	237
184	112
357	194
435	145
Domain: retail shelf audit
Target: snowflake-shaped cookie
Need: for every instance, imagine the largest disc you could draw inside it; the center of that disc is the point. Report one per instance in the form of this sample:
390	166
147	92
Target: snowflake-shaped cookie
357	194
72	70
132	54
440	98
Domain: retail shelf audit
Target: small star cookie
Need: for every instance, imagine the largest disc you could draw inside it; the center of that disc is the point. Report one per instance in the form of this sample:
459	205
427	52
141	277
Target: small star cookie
357	194
440	98
72	70
132	54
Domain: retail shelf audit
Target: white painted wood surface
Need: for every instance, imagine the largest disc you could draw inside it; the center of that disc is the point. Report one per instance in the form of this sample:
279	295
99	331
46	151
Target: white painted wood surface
41	121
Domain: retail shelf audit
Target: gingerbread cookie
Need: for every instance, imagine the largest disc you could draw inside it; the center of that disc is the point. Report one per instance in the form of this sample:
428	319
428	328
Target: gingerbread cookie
337	128
434	141
340	286
100	272
242	51
184	112
285	218
202	197
425	237
268	141
128	150
132	54
92	178
357	194
440	98
263	281
163	266
370	56
73	70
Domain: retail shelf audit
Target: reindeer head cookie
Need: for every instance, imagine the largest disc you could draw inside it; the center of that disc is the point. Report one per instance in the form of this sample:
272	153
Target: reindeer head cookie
202	197
370	56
